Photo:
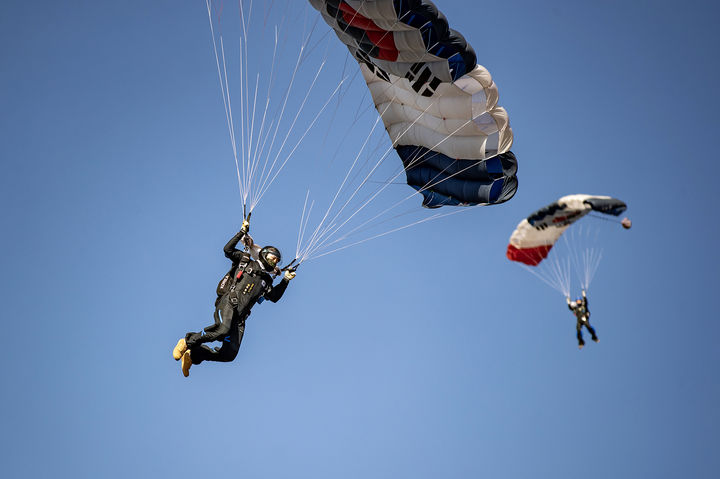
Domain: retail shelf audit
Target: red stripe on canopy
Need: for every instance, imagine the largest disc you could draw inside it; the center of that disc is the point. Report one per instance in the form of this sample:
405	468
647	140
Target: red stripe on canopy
382	39
529	256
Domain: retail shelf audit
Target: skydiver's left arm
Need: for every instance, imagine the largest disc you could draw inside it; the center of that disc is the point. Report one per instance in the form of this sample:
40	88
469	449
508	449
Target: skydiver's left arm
277	291
585	301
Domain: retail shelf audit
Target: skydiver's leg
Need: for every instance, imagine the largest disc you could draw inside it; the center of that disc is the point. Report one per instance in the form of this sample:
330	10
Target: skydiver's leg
216	314
225	353
216	317
592	331
581	342
213	333
192	339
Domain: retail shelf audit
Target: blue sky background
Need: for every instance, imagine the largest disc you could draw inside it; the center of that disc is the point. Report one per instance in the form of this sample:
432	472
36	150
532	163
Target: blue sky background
422	354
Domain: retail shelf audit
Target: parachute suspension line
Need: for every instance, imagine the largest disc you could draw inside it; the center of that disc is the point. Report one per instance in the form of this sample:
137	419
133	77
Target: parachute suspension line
363	226
261	151
367	177
252	124
576	252
251	136
423	220
398	203
244	101
591	260
324	236
429	185
253	145
317	230
241	183
594	258
374	152
290	154
340	97
303	223
268	9
267	181
562	273
585	254
323	37
321	244
340	100
571	241
356	118
284	105
261	147
555	274
555	270
286	96
382	158
320	235
257	142
224	88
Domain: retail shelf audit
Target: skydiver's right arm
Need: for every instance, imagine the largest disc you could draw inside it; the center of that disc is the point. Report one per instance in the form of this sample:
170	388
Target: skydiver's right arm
230	250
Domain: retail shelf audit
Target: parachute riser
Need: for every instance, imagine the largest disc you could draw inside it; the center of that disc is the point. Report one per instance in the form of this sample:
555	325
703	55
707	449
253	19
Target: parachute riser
291	266
247	218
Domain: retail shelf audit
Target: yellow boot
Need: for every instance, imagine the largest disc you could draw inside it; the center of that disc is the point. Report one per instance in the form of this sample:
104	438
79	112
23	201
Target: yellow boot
180	349
186	363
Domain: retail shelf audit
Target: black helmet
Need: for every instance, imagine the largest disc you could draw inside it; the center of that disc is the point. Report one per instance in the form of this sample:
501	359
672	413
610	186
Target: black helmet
270	257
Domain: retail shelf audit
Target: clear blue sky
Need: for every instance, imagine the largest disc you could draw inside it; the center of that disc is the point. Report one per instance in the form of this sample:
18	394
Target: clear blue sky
423	354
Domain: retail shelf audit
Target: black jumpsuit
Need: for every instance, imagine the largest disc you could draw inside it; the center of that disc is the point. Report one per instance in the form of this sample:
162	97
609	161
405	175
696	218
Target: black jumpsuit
249	282
582	313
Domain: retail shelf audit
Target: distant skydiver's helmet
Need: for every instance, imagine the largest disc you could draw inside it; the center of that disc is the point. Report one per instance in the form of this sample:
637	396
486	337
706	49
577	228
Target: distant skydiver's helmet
270	256
578	302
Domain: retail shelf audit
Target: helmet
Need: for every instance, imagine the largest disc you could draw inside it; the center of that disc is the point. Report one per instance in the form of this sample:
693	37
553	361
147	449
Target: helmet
270	256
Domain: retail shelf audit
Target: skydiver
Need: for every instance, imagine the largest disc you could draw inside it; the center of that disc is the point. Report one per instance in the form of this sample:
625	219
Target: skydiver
250	282
580	309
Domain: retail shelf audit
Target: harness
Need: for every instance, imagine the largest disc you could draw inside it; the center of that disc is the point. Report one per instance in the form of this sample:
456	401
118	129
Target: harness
249	285
581	313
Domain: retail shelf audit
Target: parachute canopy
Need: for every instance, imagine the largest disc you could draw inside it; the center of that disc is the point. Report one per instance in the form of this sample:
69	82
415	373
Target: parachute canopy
533	238
438	105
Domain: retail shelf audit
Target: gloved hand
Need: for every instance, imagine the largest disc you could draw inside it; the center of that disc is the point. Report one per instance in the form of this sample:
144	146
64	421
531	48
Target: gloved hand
289	275
583	291
568	300
245	228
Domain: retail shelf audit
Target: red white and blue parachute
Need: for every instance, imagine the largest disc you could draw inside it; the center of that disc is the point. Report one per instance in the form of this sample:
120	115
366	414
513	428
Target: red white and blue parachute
535	236
438	105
